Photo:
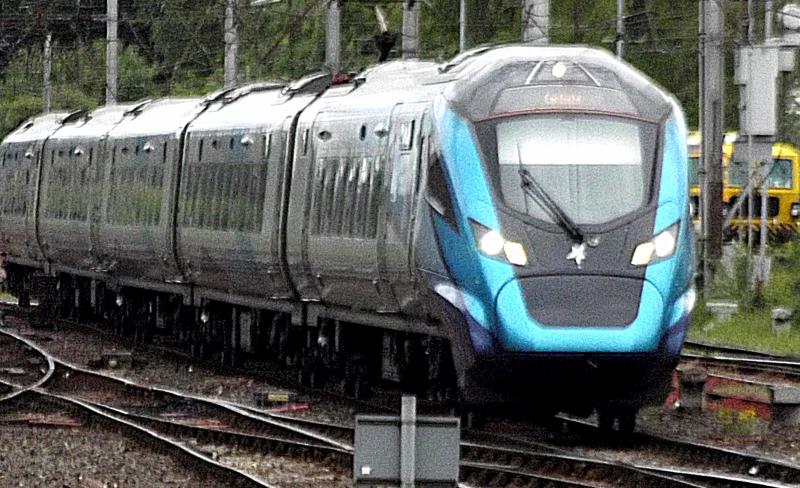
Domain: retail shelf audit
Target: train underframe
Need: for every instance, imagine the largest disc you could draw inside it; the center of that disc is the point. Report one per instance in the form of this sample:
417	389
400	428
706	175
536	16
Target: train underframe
325	353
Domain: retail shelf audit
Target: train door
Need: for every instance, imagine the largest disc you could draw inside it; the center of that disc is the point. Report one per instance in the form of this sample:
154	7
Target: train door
395	255
349	181
20	174
64	201
96	201
134	227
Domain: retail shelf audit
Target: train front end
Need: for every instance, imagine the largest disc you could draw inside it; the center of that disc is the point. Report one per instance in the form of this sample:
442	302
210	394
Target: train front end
562	217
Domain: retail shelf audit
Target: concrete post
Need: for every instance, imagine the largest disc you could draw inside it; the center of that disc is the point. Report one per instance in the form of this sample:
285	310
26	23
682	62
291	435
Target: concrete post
333	40
768	19
112	23
47	92
408	441
411	29
536	22
620	43
462	26
231	42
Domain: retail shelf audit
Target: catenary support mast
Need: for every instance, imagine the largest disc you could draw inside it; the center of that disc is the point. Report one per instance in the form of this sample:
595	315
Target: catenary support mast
112	22
712	123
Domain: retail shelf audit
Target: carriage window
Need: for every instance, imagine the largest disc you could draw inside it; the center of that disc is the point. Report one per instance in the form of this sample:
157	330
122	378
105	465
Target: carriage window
224	193
136	190
407	135
347	197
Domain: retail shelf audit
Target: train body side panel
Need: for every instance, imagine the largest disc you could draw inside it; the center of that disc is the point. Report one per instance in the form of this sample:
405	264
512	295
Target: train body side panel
135	229
20	167
351	207
231	191
71	189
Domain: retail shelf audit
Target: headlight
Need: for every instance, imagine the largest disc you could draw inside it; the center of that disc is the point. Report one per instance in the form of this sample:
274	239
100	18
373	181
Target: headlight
661	246
689	299
795	211
493	244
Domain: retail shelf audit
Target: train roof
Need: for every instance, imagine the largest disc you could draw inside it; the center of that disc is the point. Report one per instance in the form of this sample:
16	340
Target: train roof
251	106
96	123
39	127
511	79
495	80
162	116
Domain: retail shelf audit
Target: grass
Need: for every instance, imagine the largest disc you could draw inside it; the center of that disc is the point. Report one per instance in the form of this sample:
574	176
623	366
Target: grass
751	327
750	330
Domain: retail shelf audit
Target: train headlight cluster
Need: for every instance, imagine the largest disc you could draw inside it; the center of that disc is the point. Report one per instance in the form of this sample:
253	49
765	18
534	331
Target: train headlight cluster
493	244
661	246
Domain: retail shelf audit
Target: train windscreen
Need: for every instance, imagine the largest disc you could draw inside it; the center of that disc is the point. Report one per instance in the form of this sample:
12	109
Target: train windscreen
780	175
595	168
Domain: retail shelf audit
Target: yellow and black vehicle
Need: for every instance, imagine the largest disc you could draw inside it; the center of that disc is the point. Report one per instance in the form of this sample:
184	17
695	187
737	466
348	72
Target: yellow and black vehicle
783	193
728	193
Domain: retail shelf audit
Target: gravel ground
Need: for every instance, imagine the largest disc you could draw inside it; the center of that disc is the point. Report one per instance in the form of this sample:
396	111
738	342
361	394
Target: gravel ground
285	472
83	457
739	431
80	347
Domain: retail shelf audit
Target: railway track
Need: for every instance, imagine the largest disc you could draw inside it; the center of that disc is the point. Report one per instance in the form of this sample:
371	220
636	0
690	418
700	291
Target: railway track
195	429
703	463
24	368
743	360
708	348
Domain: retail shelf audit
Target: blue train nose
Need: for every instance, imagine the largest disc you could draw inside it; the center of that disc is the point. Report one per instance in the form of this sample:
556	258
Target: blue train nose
579	314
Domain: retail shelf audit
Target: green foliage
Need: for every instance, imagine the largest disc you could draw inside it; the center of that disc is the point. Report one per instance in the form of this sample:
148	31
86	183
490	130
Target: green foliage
77	81
181	46
732	281
16	108
752	326
751	330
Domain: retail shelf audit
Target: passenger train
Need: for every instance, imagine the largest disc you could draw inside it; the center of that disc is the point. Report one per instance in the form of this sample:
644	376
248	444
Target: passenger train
508	227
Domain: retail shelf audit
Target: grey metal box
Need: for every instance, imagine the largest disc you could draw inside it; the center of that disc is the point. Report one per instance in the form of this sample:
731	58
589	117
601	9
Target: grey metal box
377	451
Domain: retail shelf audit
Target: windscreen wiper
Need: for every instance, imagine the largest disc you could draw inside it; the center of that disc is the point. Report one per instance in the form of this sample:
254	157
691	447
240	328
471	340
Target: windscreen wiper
533	189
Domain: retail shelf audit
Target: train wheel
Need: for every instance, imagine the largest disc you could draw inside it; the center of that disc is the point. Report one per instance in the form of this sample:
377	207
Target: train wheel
626	421
605	419
356	377
308	375
278	342
620	420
